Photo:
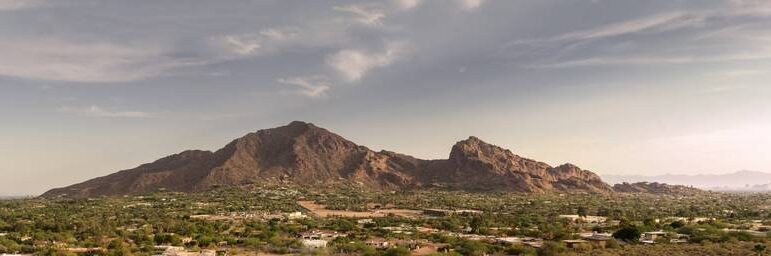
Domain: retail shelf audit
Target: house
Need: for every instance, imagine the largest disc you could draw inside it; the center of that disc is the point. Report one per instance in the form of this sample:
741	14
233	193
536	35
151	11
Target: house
468	212
575	244
599	240
365	221
586	219
680	239
475	237
437	212
321	235
314	243
443	212
650	237
508	240
378	243
295	215
533	242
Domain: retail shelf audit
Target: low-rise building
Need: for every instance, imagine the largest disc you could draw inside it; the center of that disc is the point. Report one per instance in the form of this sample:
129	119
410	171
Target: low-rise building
295	215
586	219
378	243
444	212
650	237
314	243
511	240
575	244
598	240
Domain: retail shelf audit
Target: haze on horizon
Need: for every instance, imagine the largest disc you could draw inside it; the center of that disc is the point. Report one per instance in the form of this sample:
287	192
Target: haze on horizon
614	86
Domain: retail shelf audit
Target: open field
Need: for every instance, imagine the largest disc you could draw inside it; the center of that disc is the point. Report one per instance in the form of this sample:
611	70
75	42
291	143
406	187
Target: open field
320	210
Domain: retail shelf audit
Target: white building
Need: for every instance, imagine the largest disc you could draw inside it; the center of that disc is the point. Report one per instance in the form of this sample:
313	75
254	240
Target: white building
587	219
314	243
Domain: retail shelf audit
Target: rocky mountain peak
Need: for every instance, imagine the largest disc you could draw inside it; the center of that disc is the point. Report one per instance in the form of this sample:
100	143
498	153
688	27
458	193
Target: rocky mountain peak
475	148
303	154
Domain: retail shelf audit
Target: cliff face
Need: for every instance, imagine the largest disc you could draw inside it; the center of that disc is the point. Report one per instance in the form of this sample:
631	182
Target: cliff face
477	165
303	154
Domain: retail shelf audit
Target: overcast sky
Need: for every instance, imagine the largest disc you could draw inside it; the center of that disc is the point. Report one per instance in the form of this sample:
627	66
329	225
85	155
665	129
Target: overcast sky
88	88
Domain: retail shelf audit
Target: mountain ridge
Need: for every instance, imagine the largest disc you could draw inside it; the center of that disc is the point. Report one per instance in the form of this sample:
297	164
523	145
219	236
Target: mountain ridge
304	154
739	180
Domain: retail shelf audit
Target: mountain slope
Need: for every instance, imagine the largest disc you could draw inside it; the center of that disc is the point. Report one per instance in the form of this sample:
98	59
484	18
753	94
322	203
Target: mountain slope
303	154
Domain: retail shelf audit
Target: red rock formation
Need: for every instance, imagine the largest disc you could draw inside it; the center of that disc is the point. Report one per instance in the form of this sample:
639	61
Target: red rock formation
303	154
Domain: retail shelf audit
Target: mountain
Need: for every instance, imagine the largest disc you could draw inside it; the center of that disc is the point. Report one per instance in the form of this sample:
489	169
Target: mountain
303	154
741	180
655	188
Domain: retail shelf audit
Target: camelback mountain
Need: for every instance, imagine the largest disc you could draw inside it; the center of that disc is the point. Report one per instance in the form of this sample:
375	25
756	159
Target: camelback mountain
302	154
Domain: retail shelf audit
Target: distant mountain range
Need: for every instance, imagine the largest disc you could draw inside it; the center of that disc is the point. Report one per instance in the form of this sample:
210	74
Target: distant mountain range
306	155
737	181
656	188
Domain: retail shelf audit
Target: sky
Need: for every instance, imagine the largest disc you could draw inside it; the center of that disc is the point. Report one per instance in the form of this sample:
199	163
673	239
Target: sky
619	87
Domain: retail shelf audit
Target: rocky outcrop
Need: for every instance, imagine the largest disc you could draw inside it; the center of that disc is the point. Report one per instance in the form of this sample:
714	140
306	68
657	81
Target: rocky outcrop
303	154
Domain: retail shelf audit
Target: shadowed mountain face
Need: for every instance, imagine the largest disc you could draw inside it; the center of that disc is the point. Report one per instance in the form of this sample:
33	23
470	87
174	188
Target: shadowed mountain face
303	154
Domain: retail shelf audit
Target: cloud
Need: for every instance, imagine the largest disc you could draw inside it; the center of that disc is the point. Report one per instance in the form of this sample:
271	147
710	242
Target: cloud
73	61
703	36
470	4
96	111
12	5
662	22
353	64
280	33
268	40
407	4
658	60
313	87
655	23
241	45
367	15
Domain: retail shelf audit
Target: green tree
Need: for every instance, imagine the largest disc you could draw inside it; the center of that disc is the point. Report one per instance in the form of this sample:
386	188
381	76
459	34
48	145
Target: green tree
759	249
628	234
582	211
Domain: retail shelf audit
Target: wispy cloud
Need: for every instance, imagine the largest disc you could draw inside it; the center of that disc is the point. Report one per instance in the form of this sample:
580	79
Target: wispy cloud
749	54
11	5
353	64
96	111
74	61
241	45
365	14
655	23
471	4
265	41
406	4
733	33
313	87
280	33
